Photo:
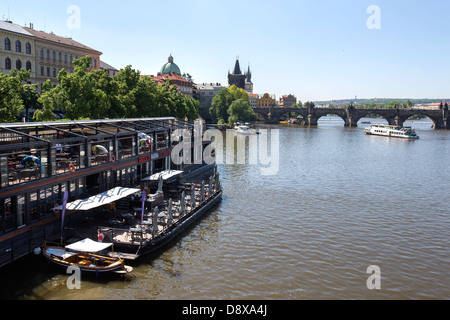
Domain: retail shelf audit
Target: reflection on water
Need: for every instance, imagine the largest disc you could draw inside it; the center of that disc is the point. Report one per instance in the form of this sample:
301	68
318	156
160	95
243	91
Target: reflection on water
341	202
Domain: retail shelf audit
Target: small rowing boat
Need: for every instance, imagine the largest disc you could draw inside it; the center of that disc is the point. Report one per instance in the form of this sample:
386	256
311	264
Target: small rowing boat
84	255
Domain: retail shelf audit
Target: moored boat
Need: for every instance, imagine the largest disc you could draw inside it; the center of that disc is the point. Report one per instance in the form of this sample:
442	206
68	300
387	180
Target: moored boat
244	129
392	131
85	255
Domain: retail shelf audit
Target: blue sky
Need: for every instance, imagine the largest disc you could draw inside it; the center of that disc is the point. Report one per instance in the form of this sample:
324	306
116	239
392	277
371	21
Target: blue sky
317	50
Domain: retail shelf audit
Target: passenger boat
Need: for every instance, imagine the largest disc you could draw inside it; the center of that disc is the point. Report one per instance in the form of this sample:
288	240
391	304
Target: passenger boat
392	131
84	255
244	129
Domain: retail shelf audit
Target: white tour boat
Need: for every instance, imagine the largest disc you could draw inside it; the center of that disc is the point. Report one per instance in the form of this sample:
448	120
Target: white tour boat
244	129
392	131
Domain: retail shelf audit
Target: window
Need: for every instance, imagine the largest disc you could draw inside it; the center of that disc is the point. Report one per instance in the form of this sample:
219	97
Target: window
28	66
28	48
54	55
95	63
42	71
48	72
7	44
8	64
71	58
18	46
59	56
48	54
41	53
54	72
18	64
65	57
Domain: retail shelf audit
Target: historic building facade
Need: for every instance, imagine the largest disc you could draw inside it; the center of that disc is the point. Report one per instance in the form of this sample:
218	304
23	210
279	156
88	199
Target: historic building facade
207	92
170	71
287	101
54	53
266	101
17	49
253	100
111	70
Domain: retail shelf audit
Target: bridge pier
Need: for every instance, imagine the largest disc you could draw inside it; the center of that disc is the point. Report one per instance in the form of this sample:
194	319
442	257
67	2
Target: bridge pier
351	123
311	120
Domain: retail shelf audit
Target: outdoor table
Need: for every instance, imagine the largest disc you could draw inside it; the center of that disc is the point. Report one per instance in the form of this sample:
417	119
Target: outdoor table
135	232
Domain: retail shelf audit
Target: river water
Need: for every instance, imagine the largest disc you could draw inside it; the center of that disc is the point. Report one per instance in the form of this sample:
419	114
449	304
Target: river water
341	201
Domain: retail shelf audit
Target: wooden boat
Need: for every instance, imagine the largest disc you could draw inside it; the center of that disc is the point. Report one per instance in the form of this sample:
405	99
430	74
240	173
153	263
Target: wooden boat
83	254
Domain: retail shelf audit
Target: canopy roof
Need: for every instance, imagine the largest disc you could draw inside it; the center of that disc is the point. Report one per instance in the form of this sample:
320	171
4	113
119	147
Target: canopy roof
99	199
164	174
88	245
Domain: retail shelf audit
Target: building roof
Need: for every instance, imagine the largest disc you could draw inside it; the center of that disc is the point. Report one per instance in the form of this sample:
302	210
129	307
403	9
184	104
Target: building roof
104	65
209	86
170	67
61	40
237	68
11	27
162	78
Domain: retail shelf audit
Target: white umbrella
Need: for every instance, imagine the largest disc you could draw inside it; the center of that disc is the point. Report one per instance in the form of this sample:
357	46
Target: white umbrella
202	191
182	208
155	221
169	211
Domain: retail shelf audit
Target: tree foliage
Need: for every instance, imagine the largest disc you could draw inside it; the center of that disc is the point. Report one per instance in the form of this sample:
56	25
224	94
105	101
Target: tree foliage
11	102
94	94
223	100
240	111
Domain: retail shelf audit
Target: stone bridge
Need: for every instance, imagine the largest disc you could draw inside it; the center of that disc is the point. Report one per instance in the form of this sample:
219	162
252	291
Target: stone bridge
352	115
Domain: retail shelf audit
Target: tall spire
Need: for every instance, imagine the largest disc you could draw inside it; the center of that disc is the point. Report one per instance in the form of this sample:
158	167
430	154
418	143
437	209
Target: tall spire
237	68
249	74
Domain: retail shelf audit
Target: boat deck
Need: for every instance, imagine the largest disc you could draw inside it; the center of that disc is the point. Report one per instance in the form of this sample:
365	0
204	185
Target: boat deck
132	234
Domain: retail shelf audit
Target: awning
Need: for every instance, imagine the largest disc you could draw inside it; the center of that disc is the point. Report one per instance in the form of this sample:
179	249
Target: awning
88	245
166	175
100	199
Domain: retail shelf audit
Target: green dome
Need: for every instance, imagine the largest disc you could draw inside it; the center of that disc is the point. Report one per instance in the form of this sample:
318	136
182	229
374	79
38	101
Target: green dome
170	67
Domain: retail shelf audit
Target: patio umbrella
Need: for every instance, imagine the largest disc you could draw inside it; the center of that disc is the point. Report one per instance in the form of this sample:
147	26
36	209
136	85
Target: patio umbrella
202	191
155	221
169	211
192	197
160	184
182	208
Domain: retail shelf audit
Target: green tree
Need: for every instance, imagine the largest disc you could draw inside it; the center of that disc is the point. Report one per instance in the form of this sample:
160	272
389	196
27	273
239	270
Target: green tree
223	100
240	110
11	102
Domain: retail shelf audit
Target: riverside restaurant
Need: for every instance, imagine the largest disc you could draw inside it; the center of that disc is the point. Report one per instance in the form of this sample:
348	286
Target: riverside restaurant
40	161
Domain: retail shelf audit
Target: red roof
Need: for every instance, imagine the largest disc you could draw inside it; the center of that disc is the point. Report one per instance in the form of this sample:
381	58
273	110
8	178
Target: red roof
175	78
62	40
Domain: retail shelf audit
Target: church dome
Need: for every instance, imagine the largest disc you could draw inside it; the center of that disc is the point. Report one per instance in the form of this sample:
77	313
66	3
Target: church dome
170	67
